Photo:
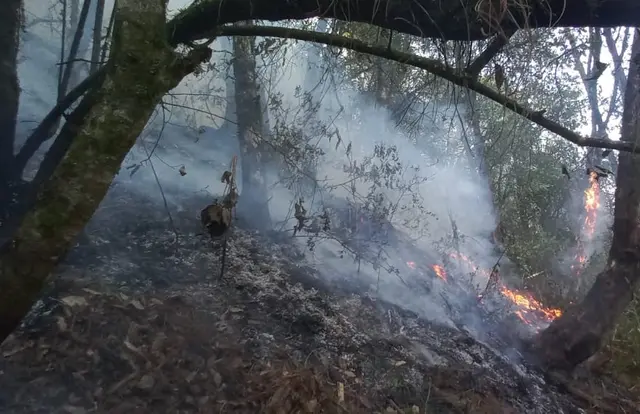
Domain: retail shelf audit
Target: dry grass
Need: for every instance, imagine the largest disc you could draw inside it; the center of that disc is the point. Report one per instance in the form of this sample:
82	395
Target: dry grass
624	348
108	352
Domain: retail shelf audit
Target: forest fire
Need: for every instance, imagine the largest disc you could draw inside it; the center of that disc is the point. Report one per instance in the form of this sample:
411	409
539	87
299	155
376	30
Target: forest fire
591	206
592	203
529	310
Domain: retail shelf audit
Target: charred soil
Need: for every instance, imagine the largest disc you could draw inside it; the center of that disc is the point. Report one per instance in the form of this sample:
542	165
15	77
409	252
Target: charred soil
164	334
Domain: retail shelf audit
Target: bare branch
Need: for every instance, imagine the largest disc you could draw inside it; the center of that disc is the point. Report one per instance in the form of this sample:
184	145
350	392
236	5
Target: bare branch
435	67
43	131
489	53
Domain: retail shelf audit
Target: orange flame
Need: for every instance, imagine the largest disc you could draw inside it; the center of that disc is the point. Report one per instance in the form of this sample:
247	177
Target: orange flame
462	258
442	274
591	203
530	309
591	206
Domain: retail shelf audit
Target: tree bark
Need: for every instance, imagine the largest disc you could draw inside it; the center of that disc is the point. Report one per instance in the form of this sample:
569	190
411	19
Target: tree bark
254	205
230	122
581	331
452	20
97	37
142	70
73	51
10	23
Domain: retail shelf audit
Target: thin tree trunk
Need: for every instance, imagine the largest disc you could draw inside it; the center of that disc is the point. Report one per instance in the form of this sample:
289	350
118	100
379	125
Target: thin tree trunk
142	70
107	36
254	202
63	49
73	51
230	117
10	24
97	37
581	331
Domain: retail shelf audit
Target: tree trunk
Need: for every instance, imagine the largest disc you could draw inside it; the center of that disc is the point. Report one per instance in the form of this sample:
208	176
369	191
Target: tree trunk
97	37
10	24
68	77
142	70
581	331
254	202
229	124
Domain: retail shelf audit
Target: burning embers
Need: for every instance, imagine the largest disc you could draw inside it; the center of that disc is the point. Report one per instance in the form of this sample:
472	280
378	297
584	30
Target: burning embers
527	308
440	272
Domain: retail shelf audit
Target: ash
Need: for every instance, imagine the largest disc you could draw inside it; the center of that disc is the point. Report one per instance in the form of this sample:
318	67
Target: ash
137	319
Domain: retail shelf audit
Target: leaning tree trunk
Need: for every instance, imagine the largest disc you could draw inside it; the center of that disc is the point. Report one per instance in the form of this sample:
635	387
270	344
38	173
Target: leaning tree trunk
10	23
254	202
580	332
142	69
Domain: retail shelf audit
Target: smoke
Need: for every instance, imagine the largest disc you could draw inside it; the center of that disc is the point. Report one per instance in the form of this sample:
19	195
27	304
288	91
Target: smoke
449	189
184	132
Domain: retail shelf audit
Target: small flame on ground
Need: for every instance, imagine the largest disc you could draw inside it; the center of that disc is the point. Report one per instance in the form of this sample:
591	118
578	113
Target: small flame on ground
440	272
530	310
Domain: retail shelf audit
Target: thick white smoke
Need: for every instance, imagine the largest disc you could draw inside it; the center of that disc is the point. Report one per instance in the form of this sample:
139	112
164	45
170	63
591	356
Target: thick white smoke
180	136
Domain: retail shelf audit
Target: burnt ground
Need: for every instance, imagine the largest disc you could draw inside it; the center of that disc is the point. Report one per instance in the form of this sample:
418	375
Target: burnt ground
138	320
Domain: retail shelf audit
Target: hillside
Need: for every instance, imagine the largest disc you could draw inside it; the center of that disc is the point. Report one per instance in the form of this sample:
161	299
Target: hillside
139	321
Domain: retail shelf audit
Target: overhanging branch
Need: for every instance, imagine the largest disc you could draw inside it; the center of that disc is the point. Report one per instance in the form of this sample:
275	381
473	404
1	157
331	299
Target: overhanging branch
432	66
447	20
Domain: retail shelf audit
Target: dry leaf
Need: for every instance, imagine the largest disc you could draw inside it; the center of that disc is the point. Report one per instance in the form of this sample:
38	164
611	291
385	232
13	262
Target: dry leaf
235	310
349	374
312	405
72	301
399	363
14	351
217	378
146	382
340	392
91	292
157	342
136	304
62	324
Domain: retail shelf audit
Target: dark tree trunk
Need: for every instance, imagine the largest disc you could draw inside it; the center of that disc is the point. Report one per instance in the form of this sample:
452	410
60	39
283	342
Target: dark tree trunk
10	25
69	198
230	122
73	52
581	331
97	37
253	206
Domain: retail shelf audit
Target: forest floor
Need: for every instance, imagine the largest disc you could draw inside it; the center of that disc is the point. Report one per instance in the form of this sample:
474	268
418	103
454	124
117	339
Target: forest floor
267	337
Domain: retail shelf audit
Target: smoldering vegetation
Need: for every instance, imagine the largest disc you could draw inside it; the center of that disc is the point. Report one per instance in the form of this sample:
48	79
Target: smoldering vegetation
140	316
